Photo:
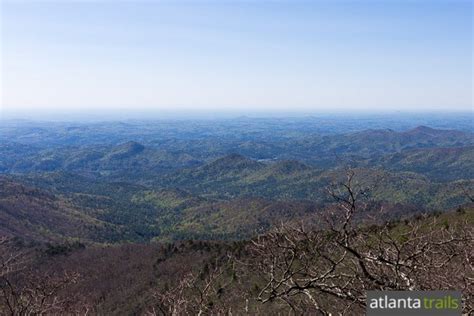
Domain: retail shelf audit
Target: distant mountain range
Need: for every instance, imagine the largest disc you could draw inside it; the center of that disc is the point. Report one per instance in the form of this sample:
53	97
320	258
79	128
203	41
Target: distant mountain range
138	211
317	151
226	188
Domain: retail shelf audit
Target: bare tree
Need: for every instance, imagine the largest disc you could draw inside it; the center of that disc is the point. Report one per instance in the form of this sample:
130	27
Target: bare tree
24	291
329	271
467	192
10	260
195	293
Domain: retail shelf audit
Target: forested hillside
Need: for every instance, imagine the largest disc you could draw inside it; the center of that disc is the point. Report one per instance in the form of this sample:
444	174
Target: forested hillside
184	217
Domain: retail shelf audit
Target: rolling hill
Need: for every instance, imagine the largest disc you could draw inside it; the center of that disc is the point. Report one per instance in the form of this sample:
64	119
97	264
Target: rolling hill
33	214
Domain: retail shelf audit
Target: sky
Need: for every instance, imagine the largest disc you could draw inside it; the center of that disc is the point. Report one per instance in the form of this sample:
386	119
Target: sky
146	56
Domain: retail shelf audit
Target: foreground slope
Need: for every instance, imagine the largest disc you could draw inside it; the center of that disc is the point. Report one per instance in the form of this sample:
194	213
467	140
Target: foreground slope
229	277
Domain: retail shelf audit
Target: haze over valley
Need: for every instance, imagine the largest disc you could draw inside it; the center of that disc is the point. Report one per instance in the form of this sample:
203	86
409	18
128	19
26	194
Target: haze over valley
180	158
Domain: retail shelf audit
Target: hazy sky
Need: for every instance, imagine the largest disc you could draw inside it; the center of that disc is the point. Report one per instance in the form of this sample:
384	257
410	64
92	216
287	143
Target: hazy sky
237	56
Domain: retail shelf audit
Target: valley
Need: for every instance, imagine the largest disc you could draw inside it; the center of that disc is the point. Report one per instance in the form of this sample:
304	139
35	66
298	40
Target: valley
153	204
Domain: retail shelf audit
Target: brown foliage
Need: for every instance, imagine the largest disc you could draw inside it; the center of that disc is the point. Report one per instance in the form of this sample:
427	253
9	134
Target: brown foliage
23	291
330	271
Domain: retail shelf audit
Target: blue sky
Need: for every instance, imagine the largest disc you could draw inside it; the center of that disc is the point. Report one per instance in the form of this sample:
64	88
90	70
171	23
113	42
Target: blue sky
238	56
